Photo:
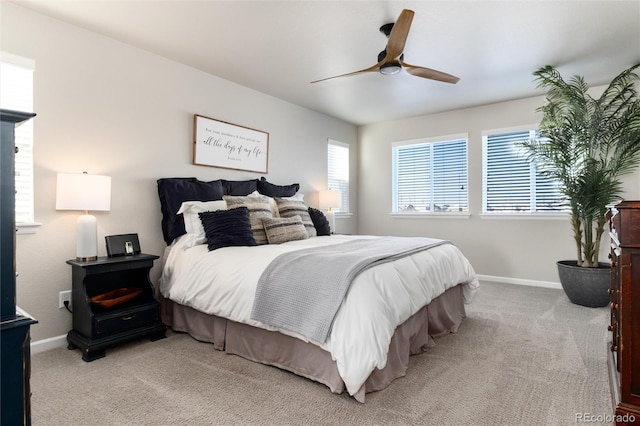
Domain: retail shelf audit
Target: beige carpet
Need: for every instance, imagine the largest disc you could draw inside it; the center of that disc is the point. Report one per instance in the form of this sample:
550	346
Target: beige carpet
524	356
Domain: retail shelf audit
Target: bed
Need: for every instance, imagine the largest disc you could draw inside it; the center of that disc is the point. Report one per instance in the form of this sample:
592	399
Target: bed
227	244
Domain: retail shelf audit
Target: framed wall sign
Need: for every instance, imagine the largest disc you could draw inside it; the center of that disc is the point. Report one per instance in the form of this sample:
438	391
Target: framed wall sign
220	144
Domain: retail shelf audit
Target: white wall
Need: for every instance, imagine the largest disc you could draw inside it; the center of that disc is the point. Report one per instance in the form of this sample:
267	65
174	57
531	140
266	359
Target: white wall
520	249
108	108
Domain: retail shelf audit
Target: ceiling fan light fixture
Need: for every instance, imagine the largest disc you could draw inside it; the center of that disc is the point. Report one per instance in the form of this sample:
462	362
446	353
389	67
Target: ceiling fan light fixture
390	68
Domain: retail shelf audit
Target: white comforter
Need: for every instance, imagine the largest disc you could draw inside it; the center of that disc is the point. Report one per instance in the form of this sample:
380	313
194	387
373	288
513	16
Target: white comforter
223	283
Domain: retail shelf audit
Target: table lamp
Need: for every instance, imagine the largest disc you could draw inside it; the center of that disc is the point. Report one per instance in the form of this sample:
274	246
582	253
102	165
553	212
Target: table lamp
329	199
82	191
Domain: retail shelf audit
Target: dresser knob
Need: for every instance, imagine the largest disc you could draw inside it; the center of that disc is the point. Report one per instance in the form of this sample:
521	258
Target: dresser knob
610	327
614	306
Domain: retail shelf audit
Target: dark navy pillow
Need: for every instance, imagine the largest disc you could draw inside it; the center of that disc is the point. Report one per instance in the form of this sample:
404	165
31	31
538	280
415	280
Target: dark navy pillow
225	228
240	187
174	191
320	222
271	190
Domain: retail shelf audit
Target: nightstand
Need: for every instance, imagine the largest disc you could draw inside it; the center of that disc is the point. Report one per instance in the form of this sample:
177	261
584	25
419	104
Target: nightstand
97	326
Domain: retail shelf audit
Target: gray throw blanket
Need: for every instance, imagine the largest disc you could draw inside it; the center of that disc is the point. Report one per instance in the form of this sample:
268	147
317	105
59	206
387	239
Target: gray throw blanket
301	291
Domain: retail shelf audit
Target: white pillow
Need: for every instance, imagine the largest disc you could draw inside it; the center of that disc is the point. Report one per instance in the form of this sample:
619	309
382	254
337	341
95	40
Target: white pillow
192	223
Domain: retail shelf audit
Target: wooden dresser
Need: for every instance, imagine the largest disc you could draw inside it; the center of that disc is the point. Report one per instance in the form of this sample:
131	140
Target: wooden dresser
624	347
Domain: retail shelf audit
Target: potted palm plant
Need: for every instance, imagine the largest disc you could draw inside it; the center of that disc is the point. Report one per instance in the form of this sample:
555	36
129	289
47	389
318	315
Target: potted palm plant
586	144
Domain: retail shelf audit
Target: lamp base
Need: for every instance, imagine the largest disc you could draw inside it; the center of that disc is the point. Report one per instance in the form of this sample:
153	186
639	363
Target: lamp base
86	259
87	238
331	217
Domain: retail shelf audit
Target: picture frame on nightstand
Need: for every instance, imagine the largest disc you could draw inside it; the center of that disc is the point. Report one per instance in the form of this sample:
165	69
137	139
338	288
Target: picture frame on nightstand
122	245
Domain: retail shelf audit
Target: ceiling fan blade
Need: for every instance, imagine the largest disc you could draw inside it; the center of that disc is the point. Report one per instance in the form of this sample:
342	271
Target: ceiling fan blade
376	67
429	73
398	35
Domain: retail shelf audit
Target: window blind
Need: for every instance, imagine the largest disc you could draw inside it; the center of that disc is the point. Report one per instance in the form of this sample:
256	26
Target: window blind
511	183
16	93
430	176
338	171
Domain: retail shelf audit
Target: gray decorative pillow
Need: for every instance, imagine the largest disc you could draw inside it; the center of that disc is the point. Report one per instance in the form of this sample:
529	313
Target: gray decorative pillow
282	229
288	207
258	207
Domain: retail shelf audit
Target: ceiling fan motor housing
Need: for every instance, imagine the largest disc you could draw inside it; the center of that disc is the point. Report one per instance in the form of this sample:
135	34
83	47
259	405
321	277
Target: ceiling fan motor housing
389	68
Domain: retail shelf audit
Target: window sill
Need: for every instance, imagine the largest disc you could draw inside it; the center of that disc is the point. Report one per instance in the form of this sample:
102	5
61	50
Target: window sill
432	215
526	216
27	228
343	215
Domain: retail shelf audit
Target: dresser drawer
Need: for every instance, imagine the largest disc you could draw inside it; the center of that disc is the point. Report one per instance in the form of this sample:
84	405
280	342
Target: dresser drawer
110	323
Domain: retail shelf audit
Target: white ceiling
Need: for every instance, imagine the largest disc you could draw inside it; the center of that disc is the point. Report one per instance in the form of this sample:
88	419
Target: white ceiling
279	47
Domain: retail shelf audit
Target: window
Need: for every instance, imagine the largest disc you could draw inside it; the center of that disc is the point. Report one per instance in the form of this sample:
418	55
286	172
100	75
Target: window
511	183
430	175
338	171
16	93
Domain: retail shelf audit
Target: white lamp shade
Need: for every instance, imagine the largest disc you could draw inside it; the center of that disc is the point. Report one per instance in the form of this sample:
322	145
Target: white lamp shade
329	199
81	191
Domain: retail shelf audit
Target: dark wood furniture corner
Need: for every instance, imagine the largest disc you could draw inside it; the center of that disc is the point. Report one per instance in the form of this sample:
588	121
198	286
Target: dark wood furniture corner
96	328
624	347
15	336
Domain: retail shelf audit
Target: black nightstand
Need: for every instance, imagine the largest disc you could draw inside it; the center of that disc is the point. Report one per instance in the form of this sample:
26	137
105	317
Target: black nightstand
95	326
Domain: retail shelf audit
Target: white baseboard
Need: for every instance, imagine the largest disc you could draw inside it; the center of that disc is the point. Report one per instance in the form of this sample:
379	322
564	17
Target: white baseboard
48	344
61	341
518	281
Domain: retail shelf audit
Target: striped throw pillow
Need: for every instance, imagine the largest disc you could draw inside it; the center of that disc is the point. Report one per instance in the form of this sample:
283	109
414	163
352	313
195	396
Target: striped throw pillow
289	207
282	229
259	209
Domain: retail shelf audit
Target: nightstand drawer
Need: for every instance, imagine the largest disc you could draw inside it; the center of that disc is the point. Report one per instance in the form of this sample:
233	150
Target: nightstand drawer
126	320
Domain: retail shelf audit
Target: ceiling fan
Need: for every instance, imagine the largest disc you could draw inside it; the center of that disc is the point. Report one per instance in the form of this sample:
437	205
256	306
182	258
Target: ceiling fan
391	59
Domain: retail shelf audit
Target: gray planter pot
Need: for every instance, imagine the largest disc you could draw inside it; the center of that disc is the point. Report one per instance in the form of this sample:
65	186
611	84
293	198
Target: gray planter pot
585	286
